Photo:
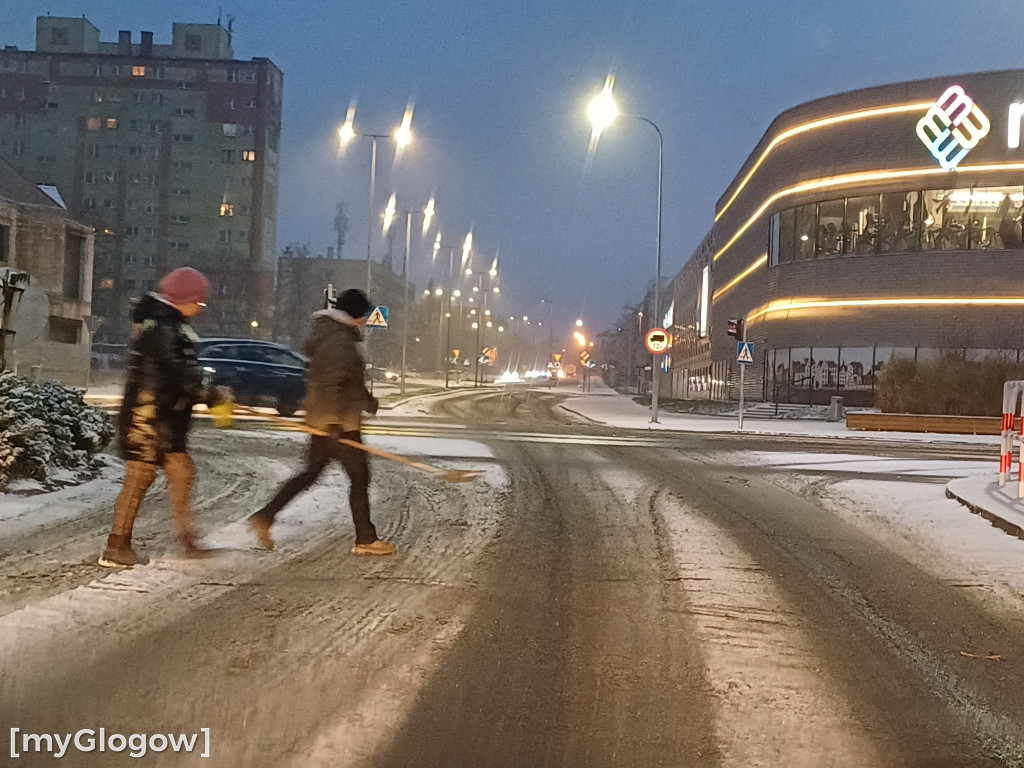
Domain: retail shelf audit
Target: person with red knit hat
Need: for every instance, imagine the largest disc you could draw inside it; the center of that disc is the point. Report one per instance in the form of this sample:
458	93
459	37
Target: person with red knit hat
162	384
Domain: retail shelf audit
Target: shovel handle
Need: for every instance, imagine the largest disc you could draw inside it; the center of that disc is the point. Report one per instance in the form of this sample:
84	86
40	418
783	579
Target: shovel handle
344	441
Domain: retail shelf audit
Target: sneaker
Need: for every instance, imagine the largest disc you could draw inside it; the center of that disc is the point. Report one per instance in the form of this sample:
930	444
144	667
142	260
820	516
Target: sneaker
262	530
125	557
377	548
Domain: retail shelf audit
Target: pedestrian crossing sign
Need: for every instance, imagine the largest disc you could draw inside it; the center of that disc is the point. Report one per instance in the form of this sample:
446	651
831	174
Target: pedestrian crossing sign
745	352
378	318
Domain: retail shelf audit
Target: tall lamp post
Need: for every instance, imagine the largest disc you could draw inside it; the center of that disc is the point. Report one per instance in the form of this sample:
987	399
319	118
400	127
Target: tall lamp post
402	136
467	248
479	288
389	216
602	111
551	329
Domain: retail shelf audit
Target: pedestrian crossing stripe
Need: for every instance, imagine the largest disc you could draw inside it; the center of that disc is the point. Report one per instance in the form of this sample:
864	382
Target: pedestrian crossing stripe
745	352
378	318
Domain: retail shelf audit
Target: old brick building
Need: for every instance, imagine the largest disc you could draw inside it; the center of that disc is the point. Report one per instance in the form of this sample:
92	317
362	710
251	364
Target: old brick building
38	236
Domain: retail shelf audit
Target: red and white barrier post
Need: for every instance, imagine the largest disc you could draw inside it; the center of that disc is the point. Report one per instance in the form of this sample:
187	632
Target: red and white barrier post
1012	391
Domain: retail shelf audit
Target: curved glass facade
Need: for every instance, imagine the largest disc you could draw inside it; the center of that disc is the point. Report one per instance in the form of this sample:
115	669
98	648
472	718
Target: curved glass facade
978	218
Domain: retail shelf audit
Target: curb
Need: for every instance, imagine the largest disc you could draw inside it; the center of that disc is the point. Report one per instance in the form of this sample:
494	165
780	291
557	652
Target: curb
997	520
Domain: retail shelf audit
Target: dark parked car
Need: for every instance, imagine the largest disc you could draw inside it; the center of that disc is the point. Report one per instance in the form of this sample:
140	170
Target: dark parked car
258	372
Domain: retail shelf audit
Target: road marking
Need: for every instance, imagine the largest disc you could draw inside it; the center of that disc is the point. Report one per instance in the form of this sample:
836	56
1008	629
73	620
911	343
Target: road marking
774	710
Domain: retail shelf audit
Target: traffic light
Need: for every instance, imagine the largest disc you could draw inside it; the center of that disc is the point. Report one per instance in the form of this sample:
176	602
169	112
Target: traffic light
736	328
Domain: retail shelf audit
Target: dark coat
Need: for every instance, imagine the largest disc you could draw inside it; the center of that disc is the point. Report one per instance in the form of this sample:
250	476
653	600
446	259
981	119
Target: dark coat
162	384
336	393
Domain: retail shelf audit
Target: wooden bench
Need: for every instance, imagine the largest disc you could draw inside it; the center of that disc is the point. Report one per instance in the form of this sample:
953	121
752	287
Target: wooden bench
913	422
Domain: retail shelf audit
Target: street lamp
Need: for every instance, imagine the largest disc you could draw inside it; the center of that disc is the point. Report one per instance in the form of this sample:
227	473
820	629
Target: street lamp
551	329
491	274
602	112
402	136
389	215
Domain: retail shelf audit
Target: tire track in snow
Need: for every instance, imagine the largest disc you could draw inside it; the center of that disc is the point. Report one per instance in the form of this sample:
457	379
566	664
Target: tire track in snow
774	709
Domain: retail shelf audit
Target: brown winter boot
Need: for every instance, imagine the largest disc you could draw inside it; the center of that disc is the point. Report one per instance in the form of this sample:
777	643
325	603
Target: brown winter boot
119	553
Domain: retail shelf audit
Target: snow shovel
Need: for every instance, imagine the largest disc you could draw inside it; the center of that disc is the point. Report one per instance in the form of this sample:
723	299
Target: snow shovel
447	475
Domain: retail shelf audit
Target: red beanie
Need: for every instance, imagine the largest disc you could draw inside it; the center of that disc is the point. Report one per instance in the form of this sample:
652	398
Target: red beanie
184	286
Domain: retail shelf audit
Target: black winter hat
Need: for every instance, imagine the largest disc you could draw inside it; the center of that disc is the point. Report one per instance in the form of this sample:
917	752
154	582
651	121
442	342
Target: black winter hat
353	303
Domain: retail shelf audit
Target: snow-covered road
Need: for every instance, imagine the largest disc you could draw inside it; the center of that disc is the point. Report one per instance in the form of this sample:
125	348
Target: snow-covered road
584	604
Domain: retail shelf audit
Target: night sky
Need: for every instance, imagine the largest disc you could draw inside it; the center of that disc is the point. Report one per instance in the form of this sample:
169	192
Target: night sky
500	91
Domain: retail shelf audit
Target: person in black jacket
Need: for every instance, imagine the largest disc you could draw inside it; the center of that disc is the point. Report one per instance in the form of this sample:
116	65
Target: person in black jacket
336	398
162	384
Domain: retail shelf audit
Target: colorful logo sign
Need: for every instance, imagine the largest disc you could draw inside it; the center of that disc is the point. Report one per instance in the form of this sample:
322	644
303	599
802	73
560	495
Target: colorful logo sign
952	127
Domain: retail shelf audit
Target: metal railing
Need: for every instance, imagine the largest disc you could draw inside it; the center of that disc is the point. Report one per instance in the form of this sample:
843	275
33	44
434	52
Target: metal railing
787	385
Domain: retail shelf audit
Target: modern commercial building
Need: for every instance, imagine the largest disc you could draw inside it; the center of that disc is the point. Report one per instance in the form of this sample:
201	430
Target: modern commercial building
874	224
169	151
39	237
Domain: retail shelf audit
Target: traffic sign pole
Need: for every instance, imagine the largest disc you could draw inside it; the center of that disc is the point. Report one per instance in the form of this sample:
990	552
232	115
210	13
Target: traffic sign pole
743	370
743	379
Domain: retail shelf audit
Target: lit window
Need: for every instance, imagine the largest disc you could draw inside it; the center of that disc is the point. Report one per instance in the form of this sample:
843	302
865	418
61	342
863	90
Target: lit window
227	210
111	123
138	71
92	124
249	155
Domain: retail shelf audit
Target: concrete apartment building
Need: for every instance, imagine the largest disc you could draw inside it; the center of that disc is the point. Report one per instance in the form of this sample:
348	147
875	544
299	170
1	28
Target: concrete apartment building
38	236
169	151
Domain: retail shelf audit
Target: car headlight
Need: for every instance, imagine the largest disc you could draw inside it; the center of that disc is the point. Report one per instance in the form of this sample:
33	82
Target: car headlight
208	369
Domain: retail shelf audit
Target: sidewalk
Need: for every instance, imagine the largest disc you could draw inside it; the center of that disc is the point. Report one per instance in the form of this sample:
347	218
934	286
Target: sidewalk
983	496
603	405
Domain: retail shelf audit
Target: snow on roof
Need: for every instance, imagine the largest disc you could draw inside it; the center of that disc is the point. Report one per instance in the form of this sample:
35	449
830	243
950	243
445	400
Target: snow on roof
53	194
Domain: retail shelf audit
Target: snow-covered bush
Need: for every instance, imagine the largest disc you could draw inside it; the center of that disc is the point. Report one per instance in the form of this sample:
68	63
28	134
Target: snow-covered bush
45	427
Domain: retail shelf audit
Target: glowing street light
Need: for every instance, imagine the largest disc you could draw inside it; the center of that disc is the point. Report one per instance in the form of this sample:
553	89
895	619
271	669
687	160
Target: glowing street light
403	136
602	110
579	323
389	213
428	214
347	132
580	338
467	249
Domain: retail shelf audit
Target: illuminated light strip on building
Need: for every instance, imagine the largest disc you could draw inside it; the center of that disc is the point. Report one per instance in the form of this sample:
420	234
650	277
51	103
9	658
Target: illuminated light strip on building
858	178
786	305
761	261
813	125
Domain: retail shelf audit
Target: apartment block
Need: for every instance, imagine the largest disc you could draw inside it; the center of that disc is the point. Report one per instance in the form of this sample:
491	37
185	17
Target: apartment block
169	151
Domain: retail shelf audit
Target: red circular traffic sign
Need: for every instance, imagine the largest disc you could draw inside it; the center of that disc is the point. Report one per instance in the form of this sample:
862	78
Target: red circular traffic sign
657	340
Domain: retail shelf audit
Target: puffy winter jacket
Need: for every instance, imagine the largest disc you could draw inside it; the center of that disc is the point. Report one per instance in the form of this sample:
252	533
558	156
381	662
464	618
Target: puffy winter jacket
335	390
163	382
